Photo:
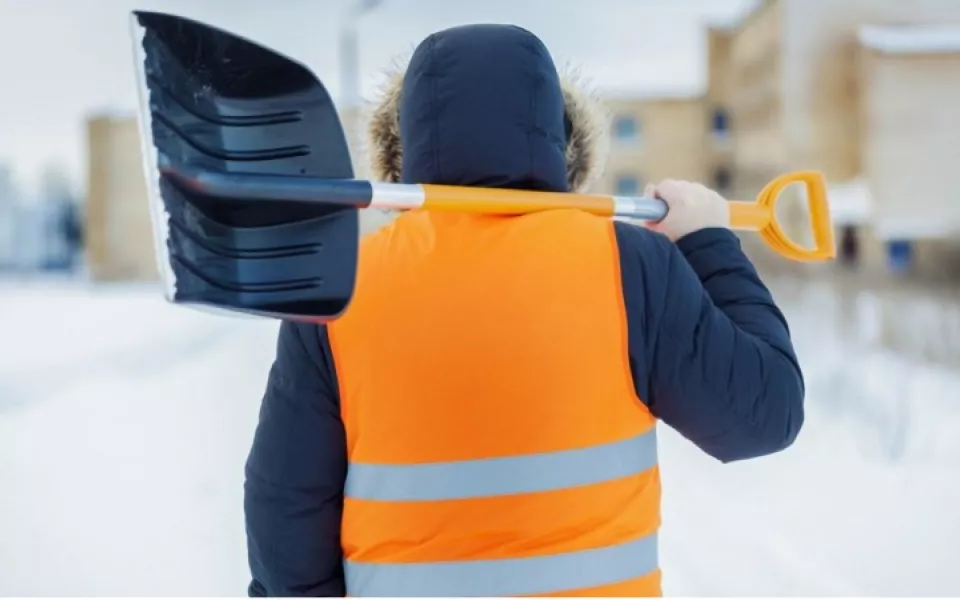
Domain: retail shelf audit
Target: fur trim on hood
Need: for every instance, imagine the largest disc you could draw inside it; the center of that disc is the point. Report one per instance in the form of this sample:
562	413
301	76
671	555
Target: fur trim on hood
587	146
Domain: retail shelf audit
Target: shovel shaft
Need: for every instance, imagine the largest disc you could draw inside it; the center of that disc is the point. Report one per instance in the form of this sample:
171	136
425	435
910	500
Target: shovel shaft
260	187
366	194
511	202
749	216
744	216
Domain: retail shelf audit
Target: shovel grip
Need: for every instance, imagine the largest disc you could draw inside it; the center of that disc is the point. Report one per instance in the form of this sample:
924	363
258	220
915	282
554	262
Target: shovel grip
760	216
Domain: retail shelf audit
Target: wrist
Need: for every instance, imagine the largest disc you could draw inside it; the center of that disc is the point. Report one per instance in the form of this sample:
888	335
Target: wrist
705	237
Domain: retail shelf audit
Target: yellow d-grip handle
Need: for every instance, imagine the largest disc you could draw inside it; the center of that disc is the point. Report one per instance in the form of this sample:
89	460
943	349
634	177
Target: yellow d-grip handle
761	216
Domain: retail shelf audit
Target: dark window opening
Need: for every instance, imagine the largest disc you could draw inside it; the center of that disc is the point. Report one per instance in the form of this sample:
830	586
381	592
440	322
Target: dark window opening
626	129
721	121
628	185
722	179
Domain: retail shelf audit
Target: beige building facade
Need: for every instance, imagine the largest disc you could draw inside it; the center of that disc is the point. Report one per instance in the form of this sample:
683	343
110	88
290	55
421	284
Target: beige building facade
119	237
800	88
718	134
653	138
795	85
910	125
910	139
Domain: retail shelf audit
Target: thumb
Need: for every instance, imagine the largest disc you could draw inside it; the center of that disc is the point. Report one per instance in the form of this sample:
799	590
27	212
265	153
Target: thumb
670	190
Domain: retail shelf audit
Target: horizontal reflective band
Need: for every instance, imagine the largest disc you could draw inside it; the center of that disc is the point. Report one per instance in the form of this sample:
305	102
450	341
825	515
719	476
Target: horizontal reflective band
508	577
502	476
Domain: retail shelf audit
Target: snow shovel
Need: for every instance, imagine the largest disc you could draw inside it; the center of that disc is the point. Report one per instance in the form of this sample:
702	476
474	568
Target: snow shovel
254	203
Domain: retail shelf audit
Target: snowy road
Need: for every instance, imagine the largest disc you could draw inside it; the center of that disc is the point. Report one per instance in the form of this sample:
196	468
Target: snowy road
124	424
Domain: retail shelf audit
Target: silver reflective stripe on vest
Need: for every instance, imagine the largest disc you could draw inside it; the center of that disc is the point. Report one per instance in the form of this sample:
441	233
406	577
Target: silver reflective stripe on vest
502	476
507	577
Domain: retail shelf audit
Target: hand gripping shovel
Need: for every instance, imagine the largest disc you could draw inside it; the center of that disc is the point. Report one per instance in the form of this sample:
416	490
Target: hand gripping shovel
253	200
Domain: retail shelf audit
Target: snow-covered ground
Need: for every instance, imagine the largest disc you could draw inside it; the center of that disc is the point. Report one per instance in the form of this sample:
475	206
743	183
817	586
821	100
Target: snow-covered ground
125	422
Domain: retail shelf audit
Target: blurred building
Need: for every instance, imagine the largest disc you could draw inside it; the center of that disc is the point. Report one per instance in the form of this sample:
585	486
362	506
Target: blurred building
910	114
58	214
655	136
9	216
119	239
38	232
796	84
718	142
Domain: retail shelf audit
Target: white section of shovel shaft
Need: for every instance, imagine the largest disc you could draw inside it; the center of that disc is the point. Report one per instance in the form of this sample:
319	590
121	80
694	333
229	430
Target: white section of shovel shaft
159	217
400	196
639	208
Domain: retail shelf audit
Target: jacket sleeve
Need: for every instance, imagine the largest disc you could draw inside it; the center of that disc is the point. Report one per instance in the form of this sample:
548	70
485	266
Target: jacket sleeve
710	350
295	473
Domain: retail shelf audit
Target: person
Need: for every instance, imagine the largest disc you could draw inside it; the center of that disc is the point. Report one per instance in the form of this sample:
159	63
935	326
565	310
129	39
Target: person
481	421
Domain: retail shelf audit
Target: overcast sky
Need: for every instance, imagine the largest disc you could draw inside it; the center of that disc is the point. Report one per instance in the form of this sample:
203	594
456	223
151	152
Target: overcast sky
63	59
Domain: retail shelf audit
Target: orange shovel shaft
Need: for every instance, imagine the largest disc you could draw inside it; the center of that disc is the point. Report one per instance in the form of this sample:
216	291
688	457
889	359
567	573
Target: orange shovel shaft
746	216
495	201
756	216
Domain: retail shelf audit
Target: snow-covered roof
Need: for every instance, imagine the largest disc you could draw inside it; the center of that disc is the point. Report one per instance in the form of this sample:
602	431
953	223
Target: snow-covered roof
666	91
850	202
734	19
915	228
911	39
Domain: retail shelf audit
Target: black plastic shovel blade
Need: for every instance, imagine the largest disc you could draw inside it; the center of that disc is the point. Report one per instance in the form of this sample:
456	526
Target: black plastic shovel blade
215	102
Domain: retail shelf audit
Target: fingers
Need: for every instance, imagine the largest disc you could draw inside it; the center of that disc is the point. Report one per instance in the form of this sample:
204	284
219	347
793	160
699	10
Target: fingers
691	207
650	191
672	190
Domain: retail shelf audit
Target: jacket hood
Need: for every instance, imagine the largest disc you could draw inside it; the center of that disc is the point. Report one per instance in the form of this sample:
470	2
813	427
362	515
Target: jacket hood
484	105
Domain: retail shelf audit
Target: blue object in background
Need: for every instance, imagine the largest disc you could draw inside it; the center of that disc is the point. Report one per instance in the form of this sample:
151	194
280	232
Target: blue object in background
628	186
721	122
899	255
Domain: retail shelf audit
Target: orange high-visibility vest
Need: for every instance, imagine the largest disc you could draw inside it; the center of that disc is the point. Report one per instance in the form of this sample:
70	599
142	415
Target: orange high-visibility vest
496	444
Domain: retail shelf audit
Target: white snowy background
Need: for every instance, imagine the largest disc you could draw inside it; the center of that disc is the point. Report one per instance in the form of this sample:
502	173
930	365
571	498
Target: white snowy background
125	423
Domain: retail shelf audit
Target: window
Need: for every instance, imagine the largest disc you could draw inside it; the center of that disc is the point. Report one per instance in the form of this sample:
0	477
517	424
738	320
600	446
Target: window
721	122
722	179
899	255
628	185
626	129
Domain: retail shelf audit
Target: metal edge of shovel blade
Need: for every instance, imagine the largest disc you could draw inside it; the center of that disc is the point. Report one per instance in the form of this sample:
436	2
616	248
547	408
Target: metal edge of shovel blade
216	102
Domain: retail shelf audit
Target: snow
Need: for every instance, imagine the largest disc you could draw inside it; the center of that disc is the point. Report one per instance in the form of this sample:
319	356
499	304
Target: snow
911	39
653	93
850	202
125	422
736	19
